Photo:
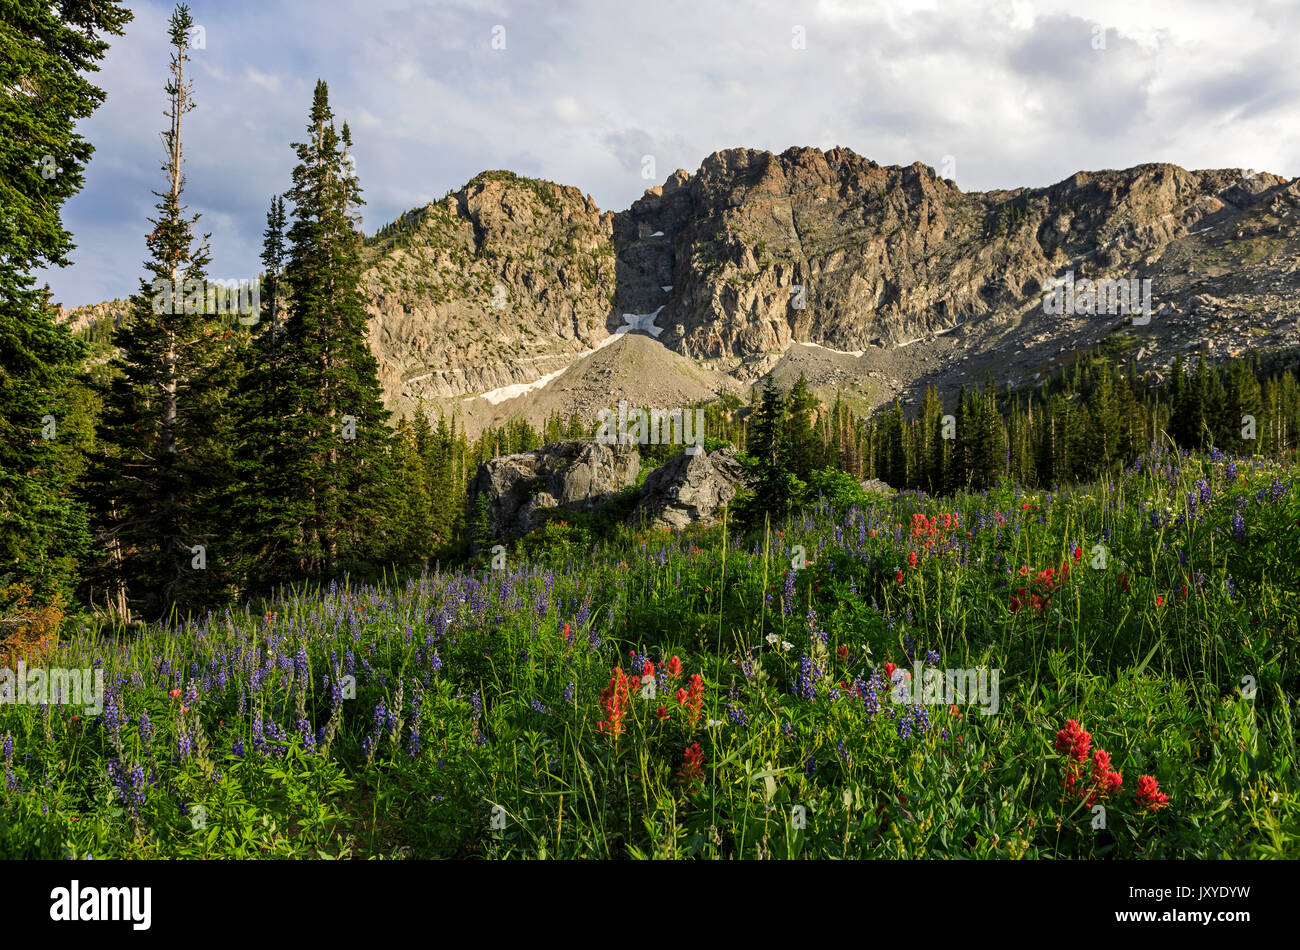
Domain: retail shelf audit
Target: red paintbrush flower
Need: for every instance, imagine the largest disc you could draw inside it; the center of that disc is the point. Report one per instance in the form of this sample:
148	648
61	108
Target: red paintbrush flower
1074	741
692	765
1148	796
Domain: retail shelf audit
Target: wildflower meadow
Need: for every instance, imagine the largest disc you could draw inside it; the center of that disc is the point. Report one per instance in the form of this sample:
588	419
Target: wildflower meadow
1107	672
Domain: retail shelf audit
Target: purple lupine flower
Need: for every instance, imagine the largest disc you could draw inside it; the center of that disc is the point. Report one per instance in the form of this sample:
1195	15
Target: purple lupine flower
308	736
787	594
568	692
112	715
805	685
300	664
813	629
413	745
870	693
748	668
137	783
237	747
913	718
1238	526
146	728
932	658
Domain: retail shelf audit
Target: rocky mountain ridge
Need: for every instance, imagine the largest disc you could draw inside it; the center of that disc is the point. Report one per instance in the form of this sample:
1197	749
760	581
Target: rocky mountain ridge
506	297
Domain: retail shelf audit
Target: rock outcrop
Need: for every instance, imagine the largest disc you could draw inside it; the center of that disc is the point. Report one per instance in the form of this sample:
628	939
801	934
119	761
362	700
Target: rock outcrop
688	489
577	474
875	486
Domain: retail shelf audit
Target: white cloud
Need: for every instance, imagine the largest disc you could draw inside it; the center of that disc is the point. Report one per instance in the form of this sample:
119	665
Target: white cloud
1011	88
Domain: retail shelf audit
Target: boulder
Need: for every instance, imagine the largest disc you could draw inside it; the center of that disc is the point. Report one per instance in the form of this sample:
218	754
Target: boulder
688	489
576	474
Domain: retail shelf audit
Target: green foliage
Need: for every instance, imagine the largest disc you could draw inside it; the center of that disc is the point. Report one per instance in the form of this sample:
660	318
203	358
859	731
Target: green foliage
490	743
160	440
840	489
47	52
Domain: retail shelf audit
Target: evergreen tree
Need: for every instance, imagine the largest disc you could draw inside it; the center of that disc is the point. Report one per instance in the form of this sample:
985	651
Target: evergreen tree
774	485
989	444
334	506
273	264
1103	426
48	49
929	450
804	457
1244	398
415	535
152	476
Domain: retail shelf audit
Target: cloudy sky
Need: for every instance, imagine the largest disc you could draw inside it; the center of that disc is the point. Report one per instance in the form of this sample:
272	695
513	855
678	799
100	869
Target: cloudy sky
993	93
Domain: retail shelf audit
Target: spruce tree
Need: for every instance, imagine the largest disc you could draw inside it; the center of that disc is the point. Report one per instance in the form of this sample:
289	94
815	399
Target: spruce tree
152	475
804	457
1102	427
337	437
47	51
415	532
774	486
263	531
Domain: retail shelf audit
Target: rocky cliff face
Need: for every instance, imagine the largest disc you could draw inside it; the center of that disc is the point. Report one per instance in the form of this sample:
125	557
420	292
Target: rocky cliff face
825	263
875	281
501	283
762	250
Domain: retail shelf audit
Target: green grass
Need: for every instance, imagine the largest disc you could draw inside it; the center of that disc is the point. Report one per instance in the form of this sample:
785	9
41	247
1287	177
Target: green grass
1154	652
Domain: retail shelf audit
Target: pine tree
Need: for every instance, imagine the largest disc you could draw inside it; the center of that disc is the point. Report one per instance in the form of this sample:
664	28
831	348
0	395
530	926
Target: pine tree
804	457
1102	427
1244	397
929	453
415	536
333	503
989	444
152	476
273	264
48	49
774	486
